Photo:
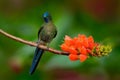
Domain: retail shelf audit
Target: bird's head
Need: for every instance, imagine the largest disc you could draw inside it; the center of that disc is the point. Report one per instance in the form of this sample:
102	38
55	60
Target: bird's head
47	17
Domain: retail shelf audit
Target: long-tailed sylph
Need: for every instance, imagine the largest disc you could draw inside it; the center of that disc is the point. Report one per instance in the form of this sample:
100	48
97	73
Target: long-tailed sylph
46	34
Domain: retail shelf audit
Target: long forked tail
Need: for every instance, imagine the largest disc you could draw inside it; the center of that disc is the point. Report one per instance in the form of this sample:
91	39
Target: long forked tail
37	56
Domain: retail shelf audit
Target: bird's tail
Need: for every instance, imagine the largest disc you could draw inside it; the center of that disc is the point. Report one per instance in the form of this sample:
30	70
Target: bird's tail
37	56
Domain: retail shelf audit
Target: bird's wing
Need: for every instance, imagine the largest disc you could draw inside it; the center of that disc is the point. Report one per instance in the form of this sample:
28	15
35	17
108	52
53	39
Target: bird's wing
55	33
40	31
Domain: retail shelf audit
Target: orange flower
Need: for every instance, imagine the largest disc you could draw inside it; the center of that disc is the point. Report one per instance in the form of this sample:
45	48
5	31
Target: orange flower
91	42
89	51
83	50
90	39
77	43
73	57
78	47
82	57
72	50
68	40
64	47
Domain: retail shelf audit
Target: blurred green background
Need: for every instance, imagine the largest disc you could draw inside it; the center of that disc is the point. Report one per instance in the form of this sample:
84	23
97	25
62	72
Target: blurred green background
22	18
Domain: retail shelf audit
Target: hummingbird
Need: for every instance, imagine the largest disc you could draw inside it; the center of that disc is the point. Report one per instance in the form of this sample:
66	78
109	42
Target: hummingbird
46	34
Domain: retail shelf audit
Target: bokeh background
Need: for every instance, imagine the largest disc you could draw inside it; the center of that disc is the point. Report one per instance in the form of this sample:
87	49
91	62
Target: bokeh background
22	18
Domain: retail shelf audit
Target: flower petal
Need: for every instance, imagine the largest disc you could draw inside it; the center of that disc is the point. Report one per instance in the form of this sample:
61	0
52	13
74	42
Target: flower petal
83	50
64	47
82	57
72	50
73	57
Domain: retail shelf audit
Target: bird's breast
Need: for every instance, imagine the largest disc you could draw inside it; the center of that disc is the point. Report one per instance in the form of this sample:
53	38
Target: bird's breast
48	32
46	36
